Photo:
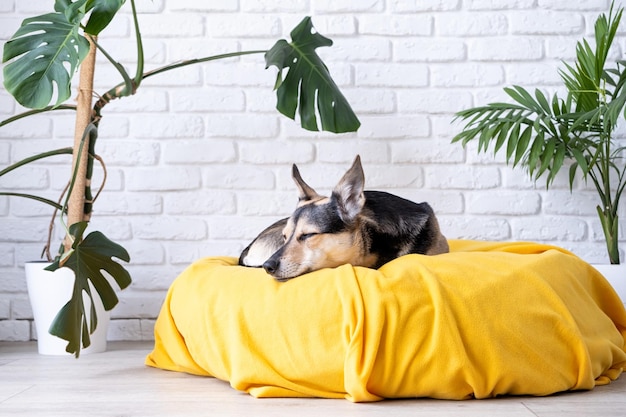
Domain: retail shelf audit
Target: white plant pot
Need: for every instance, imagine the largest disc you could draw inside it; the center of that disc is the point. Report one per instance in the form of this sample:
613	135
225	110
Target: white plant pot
616	275
48	293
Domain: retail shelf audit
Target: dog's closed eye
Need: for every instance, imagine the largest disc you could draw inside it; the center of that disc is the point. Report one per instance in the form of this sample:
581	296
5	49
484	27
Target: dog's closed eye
306	236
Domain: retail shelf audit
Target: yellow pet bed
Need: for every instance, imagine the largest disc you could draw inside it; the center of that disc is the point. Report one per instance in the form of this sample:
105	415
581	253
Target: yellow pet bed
486	319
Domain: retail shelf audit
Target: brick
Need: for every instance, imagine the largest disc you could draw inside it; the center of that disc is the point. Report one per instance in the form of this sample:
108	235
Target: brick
153	6
7	105
533	74
195	5
397	75
14	330
169	228
22	207
26	148
183	76
164	179
238	74
208	100
410	6
153	278
505	49
371	101
426	152
34	7
271	6
185	255
5	309
433	101
260	100
561	48
549	229
125	204
508	203
429	50
562	202
464	178
241	178
201	48
398	25
206	202
235	228
243	126
442	202
174	126
126	52
274	152
546	22
342	6
202	151
405	126
23	230
116	229
8	26
371	151
7	255
124	329
384	177
129	153
31	127
500	5
146	100
21	309
4	206
591	5
352	50
471	24
334	25
243	26
475	228
467	75
263	204
147	329
172	25
7	6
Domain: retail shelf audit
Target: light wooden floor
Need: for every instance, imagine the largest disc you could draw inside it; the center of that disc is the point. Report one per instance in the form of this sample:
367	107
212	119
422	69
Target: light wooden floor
116	383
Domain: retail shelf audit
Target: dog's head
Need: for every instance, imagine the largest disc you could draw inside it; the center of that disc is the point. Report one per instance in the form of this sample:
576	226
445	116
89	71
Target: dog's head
323	231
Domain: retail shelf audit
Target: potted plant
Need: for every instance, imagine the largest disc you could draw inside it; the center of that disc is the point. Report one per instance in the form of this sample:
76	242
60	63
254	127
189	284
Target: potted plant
43	55
542	133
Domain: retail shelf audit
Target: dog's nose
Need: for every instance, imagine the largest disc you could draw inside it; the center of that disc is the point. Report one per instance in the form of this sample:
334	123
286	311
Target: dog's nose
270	266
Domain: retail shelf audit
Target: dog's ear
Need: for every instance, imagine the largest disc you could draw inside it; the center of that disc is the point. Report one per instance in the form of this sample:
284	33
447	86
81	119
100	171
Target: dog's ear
305	192
349	192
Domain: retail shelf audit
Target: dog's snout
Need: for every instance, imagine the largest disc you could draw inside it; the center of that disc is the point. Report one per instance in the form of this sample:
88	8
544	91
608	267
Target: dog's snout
271	265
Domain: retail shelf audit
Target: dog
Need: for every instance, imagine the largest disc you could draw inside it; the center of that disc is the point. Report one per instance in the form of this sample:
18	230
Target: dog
352	226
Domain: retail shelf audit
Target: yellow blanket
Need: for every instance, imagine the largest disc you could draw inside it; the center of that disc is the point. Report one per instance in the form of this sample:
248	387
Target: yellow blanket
487	319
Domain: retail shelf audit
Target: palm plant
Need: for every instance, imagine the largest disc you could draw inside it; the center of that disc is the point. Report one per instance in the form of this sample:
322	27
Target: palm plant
42	57
542	133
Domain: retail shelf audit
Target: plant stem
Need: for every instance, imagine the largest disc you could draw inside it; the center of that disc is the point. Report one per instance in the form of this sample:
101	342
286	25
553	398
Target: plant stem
76	205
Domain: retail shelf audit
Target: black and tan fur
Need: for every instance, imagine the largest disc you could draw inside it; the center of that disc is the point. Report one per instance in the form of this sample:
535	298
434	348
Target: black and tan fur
362	228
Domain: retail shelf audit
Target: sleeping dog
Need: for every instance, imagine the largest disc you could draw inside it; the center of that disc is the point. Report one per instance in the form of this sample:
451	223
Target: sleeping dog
362	228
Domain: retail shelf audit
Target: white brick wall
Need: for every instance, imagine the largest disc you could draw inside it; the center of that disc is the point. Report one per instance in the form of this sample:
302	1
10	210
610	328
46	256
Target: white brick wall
199	161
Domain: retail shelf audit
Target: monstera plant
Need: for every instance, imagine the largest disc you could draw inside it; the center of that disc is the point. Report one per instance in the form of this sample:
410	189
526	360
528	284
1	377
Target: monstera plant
41	59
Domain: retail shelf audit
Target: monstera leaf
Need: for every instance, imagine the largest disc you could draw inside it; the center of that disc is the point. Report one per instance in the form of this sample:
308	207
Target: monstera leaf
308	84
48	49
103	12
88	258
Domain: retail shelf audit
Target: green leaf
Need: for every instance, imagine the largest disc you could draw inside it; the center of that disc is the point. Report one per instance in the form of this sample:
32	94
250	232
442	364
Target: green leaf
39	52
522	144
308	84
88	259
102	14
